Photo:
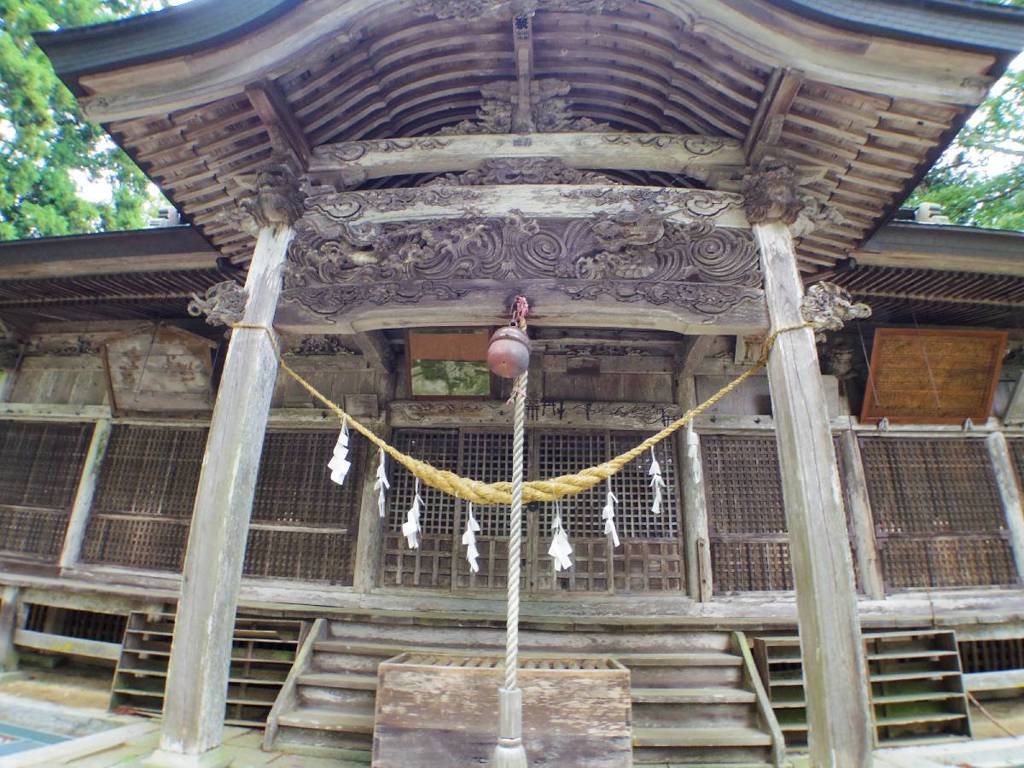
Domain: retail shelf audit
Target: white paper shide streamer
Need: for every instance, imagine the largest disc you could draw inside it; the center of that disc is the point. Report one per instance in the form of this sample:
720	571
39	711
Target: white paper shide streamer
608	515
469	541
339	463
381	484
560	548
411	526
657	483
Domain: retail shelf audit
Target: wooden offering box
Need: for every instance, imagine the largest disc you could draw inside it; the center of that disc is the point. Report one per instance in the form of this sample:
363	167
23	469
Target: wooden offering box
443	711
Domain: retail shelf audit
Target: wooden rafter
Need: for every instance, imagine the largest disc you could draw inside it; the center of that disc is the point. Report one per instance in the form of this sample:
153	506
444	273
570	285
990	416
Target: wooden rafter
279	121
766	129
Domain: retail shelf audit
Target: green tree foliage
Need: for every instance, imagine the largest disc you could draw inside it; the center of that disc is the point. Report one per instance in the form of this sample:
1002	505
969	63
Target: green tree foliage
980	179
44	141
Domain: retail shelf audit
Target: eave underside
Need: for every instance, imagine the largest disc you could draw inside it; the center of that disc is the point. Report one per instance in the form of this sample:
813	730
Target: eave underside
634	67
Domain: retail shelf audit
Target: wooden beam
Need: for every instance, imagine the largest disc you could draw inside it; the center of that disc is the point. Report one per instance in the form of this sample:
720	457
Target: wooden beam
79	519
522	100
766	127
833	655
696	536
693	155
1015	410
370	540
197	677
1009	495
72	646
377	351
565	201
276	114
9	609
861	518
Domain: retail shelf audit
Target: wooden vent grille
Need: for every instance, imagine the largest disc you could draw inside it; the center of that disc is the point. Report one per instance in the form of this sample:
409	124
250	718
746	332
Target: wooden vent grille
303	525
977	656
143	504
40	466
746	515
649	559
938	518
67	622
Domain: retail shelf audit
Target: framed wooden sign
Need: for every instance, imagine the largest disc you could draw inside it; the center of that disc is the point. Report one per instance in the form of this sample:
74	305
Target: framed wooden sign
933	375
449	362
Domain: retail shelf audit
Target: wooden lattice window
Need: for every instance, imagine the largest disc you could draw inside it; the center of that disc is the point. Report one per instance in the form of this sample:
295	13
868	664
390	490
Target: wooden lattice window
649	559
938	518
303	525
40	467
143	504
746	514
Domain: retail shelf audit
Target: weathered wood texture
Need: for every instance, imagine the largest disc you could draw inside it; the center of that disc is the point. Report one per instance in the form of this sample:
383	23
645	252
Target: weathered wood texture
695	518
8	627
1015	410
444	711
77	522
933	375
77	379
831	648
200	655
370	540
862	524
694	156
1009	495
160	369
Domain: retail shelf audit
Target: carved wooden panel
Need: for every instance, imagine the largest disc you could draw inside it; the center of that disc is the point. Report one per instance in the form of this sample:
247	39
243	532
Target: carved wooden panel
938	518
40	466
160	369
650	558
341	268
933	375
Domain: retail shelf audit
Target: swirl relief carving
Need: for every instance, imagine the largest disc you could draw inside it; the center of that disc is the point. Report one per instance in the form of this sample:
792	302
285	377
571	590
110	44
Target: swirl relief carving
336	266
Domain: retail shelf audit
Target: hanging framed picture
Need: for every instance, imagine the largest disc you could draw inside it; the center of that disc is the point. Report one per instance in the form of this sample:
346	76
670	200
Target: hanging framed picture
449	363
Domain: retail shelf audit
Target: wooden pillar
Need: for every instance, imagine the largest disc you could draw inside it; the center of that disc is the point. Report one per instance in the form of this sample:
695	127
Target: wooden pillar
695	518
197	678
830	638
372	527
9	356
8	626
75	534
1010	495
696	540
861	519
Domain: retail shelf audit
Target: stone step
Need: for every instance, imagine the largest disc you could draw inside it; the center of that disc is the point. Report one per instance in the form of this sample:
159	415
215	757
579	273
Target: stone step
700	737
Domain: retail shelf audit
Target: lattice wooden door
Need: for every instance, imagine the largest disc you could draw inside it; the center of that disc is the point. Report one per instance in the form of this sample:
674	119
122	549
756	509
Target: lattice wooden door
938	518
650	558
746	514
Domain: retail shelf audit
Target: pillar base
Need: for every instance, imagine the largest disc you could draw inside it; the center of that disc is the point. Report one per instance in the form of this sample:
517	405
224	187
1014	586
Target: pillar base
215	758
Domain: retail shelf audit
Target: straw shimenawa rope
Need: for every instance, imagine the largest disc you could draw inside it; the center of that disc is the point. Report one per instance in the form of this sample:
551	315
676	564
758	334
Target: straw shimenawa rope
552	489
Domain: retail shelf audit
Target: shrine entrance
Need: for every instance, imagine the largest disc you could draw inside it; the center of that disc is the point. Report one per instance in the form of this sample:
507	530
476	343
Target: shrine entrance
649	559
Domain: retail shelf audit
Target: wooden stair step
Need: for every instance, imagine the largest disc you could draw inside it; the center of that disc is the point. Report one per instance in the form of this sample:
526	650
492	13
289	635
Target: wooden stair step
337	680
923	717
906	698
920	674
700	737
708	659
927	653
327	720
692	696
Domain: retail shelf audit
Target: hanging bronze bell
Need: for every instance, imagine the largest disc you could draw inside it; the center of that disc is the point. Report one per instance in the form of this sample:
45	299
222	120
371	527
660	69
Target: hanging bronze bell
508	354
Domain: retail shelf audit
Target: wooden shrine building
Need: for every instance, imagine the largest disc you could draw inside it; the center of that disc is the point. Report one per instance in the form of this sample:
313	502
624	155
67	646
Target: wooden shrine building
662	180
